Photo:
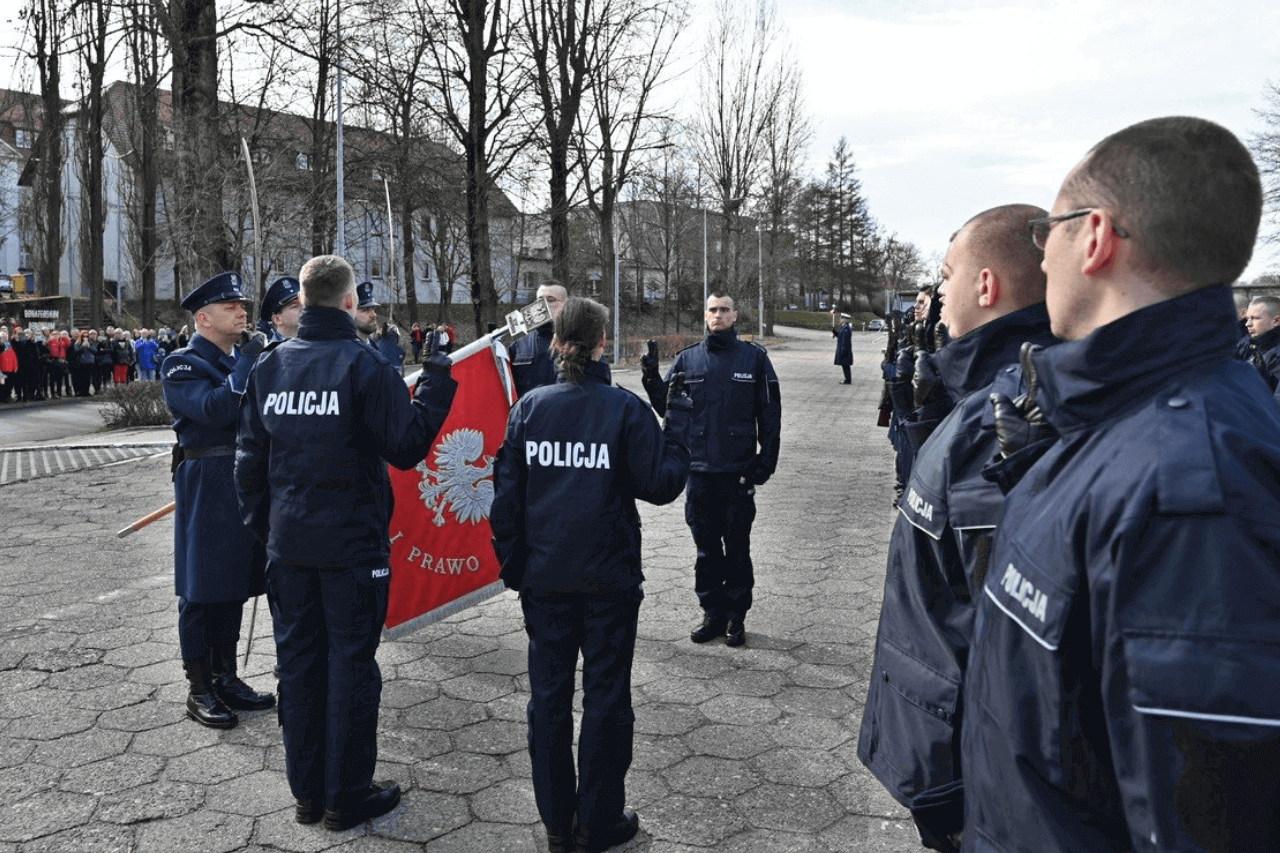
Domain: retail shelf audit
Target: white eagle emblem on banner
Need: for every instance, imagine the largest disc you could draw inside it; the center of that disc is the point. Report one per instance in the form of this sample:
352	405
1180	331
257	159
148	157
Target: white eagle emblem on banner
457	482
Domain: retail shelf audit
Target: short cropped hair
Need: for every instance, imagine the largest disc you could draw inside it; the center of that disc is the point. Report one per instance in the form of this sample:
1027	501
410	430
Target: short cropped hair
1185	188
1271	303
325	279
999	239
711	296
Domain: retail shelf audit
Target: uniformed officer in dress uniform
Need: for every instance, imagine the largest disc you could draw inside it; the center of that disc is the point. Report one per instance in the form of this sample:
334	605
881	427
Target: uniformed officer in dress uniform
736	406
388	343
280	309
322	417
1122	688
217	564
577	456
532	364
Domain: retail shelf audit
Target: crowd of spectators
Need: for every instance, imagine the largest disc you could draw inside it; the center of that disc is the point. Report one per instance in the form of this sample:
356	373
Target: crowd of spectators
41	362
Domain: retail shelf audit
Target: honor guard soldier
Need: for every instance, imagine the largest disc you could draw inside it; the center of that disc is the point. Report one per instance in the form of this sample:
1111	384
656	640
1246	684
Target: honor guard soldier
280	309
532	364
992	302
1122	690
322	417
577	456
733	447
217	564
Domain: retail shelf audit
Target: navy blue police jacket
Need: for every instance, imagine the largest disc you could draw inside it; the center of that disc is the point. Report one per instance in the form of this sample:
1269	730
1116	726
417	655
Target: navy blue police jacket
1263	352
576	458
532	364
736	404
1130	604
844	344
322	417
910	736
215	557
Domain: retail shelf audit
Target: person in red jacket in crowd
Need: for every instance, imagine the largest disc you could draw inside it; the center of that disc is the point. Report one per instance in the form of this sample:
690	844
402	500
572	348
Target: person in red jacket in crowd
57	377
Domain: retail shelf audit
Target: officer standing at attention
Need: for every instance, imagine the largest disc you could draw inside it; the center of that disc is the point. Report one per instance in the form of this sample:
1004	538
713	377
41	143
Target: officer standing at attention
532	364
992	302
736	405
280	309
844	346
217	564
321	419
367	326
576	457
1122	690
1263	347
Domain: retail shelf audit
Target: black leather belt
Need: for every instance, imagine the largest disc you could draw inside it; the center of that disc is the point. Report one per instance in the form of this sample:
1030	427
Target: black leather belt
200	453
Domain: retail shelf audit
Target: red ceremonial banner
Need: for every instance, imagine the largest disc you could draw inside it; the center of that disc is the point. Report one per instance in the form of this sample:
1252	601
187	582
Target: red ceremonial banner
441	557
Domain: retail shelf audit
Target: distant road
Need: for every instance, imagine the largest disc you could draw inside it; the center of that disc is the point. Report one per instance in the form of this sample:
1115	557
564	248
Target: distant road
50	422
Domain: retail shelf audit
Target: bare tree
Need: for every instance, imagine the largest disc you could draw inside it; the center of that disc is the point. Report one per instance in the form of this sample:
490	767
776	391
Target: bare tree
787	137
628	50
1266	151
739	90
46	29
478	85
666	220
90	33
142	131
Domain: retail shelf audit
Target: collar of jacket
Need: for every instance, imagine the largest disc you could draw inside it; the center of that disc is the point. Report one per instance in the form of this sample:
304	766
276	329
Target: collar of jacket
1120	364
722	340
318	323
1267	340
208	350
597	371
971	361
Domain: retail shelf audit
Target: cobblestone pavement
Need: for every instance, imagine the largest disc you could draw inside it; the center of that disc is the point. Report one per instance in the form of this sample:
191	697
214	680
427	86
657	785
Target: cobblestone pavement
748	750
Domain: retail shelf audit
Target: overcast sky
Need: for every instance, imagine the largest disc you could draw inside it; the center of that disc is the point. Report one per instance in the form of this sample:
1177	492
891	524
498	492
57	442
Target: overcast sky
951	107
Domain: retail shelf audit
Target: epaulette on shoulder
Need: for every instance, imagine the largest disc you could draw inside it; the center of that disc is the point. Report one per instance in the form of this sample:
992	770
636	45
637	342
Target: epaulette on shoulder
1187	475
759	346
690	346
275	344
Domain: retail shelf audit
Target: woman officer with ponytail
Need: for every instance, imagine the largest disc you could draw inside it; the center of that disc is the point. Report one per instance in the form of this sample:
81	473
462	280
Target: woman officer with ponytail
576	457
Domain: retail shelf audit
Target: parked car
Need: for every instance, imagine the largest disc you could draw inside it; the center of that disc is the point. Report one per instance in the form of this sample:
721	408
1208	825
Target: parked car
876	325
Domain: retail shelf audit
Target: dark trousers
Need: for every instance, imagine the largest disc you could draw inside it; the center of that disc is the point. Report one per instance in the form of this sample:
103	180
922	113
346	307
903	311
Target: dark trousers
848	377
720	511
80	376
328	624
604	631
202	626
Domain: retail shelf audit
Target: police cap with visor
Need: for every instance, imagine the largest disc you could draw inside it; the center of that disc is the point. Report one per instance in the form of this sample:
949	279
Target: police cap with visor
281	293
223	287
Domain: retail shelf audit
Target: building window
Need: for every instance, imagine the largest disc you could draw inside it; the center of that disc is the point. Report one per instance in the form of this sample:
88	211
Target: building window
22	138
375	268
303	162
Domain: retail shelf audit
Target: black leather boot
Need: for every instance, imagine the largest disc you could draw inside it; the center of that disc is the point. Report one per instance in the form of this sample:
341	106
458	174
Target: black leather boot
203	704
234	692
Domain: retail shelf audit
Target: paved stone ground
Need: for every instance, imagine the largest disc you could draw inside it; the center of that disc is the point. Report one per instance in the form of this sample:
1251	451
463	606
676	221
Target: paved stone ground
748	750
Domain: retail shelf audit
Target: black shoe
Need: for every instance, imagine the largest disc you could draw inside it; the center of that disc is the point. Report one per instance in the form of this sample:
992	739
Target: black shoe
710	628
736	633
308	811
620	831
847	382
203	704
234	692
374	802
558	842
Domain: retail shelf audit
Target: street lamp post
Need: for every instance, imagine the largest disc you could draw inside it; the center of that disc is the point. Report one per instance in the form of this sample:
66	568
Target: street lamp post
340	244
760	269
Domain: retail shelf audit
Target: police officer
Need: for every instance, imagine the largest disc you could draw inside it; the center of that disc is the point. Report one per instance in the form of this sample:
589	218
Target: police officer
992	301
576	457
1263	347
280	309
217	564
388	343
736	405
321	419
844	346
531	362
1122	690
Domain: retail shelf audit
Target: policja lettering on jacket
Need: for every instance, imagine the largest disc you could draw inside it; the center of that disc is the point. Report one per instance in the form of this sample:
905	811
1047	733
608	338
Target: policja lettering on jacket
301	403
566	454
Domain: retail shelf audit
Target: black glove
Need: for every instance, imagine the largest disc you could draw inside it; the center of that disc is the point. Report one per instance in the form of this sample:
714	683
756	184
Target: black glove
649	361
678	394
926	385
905	365
940	336
252	342
754	474
1020	423
438	363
